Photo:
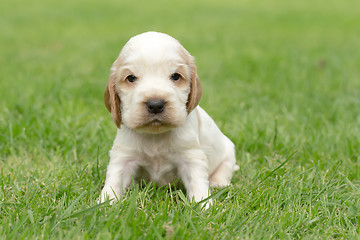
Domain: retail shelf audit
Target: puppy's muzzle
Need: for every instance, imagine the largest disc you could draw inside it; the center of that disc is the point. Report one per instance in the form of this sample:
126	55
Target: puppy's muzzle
155	106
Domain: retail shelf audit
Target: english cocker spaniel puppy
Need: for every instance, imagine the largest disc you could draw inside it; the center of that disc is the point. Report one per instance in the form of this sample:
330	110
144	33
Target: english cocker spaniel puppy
153	94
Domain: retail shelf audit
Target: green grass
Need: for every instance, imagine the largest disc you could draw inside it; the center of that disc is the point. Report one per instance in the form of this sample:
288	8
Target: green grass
281	79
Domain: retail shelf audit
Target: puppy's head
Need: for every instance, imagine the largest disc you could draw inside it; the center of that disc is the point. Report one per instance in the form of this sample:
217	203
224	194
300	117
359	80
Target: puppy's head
153	84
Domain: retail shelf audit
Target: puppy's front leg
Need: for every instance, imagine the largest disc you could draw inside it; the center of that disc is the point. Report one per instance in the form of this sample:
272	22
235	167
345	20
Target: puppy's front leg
193	171
118	177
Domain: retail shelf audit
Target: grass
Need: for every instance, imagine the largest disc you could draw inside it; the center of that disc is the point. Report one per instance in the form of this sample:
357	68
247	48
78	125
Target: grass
280	78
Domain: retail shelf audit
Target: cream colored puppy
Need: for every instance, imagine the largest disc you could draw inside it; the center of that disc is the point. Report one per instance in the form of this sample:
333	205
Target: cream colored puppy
153	94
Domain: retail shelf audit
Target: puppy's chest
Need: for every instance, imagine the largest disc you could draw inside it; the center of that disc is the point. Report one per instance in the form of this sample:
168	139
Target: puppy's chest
159	168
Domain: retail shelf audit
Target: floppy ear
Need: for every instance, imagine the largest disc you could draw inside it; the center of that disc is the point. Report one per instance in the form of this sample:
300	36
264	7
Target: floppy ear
112	100
195	90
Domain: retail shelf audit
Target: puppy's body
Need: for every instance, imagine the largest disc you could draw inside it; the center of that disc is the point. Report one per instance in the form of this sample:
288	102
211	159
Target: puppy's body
163	134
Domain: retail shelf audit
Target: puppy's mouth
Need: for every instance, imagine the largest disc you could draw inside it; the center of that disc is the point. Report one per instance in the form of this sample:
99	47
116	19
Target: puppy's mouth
155	122
155	126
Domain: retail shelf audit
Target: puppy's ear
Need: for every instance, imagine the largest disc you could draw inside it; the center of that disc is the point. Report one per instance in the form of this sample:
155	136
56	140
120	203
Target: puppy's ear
195	90
112	100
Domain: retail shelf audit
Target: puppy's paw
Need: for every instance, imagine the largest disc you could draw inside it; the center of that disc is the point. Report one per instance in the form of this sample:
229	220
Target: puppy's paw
206	205
236	167
107	194
219	182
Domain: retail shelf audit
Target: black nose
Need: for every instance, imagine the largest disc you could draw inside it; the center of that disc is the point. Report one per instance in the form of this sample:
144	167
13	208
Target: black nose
155	106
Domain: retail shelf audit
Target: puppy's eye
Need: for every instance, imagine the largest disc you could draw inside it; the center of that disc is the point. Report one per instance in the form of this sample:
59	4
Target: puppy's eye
175	77
131	78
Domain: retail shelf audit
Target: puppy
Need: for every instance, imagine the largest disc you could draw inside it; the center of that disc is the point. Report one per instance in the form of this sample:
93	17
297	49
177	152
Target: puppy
153	94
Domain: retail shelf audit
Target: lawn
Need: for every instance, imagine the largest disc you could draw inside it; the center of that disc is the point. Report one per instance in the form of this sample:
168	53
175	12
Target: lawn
280	78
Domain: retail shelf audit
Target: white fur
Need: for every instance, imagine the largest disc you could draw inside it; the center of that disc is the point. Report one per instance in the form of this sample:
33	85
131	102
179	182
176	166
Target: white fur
188	146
